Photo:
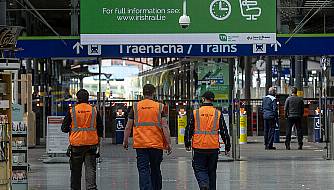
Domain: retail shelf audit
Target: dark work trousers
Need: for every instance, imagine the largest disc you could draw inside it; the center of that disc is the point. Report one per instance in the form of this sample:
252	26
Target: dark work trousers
80	155
205	167
148	164
269	131
297	122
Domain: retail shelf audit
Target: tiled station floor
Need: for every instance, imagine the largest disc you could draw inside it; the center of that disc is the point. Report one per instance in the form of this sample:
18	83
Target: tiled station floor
258	169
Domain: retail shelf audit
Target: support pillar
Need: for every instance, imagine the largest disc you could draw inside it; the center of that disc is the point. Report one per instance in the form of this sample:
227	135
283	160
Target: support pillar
258	84
42	74
278	17
35	73
279	76
100	87
305	73
81	77
192	84
230	94
3	12
182	85
75	17
28	66
248	77
292	71
188	81
235	132
248	83
298	75
81	82
177	85
231	85
269	74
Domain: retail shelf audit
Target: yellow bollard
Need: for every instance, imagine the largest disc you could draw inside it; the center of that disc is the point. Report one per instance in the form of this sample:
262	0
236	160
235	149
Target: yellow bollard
181	125
243	128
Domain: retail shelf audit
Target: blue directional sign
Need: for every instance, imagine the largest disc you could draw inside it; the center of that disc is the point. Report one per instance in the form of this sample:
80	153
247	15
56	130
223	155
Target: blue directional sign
71	48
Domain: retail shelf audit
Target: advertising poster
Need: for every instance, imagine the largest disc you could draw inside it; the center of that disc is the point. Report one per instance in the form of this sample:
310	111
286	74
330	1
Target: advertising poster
213	77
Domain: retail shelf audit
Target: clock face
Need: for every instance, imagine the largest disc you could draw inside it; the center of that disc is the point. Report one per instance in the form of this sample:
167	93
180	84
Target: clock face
220	9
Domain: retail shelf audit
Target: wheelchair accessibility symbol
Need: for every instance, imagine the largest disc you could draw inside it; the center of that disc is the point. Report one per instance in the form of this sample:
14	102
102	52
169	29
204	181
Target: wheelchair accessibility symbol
317	123
120	124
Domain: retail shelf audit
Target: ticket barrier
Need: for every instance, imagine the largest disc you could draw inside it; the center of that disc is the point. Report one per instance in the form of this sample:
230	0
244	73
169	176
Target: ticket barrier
181	108
120	126
243	126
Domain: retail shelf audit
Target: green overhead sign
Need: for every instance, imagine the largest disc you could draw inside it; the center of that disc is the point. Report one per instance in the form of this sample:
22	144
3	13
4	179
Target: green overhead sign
110	22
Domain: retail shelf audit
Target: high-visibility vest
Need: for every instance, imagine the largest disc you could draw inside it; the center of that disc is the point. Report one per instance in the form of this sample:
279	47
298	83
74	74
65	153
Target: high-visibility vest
147	130
83	127
206	128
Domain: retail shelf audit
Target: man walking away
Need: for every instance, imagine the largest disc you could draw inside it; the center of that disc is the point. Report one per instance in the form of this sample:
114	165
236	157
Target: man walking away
270	116
150	137
202	133
84	125
294	110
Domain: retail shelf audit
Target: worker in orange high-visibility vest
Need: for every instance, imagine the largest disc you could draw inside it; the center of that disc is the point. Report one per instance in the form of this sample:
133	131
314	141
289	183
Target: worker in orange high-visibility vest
202	133
84	125
150	137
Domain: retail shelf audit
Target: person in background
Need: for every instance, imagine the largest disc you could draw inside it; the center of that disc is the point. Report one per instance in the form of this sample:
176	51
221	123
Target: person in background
67	99
202	134
67	94
84	125
270	116
294	110
150	137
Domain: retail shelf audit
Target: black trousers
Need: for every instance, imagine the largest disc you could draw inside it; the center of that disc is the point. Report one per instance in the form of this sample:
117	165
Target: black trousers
269	132
80	155
297	122
148	164
205	167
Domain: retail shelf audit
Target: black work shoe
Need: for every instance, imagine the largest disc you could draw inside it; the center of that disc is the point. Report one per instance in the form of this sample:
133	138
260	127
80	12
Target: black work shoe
300	148
266	148
287	146
272	148
204	188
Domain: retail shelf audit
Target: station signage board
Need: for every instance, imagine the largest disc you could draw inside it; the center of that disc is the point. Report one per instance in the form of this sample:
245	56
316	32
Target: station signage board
70	48
57	141
116	22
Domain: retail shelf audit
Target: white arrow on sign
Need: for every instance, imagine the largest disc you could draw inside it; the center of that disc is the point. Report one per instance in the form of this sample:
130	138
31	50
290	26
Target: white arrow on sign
77	46
276	45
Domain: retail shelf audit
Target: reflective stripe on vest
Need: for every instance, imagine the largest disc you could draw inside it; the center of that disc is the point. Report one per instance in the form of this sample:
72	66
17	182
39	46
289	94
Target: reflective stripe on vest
76	128
213	130
146	124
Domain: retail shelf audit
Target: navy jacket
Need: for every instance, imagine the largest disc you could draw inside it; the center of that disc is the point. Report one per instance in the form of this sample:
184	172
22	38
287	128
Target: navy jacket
269	107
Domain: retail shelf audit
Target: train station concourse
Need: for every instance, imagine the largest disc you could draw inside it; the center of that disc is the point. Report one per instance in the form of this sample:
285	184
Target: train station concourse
166	95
